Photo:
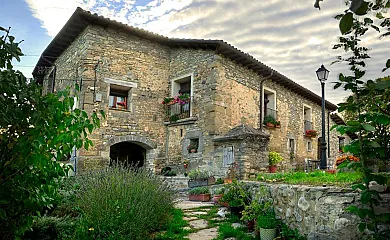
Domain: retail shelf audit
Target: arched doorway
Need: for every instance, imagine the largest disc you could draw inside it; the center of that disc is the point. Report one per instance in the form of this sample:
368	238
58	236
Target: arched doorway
128	154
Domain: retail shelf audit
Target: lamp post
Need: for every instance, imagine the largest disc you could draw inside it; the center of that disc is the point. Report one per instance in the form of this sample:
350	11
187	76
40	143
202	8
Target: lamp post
322	75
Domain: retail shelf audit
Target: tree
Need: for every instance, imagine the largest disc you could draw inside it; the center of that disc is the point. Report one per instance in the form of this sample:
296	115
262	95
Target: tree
35	133
360	17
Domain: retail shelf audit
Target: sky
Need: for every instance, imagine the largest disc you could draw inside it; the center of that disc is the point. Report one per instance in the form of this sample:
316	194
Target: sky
291	36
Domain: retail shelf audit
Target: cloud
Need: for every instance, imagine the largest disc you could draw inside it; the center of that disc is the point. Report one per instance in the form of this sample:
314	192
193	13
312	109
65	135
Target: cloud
290	36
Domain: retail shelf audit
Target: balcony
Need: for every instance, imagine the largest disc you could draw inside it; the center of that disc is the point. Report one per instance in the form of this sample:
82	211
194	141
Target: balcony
177	111
271	112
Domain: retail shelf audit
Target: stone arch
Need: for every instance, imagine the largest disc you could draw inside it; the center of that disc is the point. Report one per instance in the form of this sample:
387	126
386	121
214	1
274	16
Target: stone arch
142	141
147	144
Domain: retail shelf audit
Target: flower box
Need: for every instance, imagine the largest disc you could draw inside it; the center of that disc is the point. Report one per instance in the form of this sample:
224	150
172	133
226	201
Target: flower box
200	197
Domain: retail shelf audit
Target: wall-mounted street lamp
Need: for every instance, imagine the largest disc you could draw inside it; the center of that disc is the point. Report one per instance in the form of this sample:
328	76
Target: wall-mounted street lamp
322	75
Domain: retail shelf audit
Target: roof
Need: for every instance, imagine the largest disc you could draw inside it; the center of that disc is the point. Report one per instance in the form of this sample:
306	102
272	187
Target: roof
339	121
241	132
80	19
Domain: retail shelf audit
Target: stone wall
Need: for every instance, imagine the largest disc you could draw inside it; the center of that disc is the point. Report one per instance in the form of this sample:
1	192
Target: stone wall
225	95
198	64
317	212
239	95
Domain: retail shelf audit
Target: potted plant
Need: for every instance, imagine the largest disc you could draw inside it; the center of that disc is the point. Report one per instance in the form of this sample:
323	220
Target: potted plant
273	159
277	124
311	133
267	223
232	173
258	206
168	101
185	164
192	148
237	196
218	194
199	194
197	178
269	121
250	213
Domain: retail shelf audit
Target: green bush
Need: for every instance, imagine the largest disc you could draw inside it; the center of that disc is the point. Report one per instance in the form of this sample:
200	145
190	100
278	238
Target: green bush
237	194
274	158
199	190
122	204
197	174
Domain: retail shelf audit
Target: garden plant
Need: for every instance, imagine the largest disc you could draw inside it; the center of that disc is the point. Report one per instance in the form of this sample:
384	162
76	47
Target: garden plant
369	100
36	133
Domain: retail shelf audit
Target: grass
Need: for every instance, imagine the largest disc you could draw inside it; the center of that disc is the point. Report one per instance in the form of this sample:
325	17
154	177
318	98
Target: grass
174	228
316	178
226	230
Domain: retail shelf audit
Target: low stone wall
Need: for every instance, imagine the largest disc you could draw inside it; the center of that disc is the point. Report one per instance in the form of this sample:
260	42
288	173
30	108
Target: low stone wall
176	182
317	212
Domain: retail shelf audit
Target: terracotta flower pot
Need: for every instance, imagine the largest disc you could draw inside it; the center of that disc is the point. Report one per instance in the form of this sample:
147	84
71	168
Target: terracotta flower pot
272	169
217	197
270	125
185	165
193	150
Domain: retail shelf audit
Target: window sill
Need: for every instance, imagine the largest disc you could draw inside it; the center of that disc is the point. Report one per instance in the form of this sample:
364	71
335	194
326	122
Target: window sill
119	109
190	120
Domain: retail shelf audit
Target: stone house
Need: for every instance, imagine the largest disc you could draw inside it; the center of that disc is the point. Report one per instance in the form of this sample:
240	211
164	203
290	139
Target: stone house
128	72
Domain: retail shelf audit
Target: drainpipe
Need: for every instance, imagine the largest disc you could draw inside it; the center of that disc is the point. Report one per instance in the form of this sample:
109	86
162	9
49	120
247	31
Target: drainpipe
54	78
328	134
261	99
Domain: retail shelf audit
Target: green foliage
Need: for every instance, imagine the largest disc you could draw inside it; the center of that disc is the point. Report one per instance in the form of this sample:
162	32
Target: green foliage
226	230
290	234
274	158
267	220
369	100
51	227
219	181
237	194
197	174
312	178
219	191
35	133
269	119
173	230
122	204
199	190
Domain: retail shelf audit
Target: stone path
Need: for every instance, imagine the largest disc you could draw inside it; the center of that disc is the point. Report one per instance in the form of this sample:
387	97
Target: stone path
192	214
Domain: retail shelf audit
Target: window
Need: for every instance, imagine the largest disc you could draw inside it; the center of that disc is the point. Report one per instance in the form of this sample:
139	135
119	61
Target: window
181	89
341	144
307	118
269	103
119	97
309	146
194	145
291	147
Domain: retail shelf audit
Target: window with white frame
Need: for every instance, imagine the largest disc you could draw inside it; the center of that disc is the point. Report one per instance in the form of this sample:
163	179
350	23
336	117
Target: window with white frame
269	103
307	117
309	146
182	89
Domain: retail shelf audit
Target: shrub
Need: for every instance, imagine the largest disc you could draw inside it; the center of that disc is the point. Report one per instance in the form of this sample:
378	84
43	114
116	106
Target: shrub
237	194
197	174
122	204
274	158
199	190
267	220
